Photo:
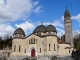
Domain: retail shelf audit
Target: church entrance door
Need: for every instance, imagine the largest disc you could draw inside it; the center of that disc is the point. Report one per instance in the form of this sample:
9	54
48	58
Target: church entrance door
33	53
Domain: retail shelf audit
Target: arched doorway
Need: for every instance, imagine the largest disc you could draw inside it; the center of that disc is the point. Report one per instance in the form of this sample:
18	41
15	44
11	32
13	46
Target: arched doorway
33	53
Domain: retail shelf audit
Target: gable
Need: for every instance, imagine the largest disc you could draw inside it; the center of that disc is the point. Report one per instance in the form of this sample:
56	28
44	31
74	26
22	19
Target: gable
33	36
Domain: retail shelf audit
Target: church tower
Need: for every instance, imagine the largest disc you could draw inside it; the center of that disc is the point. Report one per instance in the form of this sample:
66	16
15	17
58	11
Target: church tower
68	27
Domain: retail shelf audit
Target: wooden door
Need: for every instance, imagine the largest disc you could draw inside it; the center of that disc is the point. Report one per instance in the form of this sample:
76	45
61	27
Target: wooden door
33	53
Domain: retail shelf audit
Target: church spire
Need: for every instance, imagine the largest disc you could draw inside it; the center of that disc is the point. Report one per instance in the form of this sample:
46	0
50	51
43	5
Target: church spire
66	14
68	28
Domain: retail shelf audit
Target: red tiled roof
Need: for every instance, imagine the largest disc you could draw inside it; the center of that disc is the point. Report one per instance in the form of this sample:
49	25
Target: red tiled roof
68	47
62	42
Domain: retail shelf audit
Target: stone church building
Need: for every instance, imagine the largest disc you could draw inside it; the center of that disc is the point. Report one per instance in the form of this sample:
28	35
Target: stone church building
43	41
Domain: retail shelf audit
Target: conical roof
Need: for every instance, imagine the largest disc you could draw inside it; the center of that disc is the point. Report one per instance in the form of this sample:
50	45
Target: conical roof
67	14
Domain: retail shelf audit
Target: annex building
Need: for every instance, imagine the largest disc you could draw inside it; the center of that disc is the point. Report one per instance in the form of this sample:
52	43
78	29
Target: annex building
43	41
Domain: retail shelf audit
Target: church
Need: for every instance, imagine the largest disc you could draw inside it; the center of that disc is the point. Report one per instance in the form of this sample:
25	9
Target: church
43	41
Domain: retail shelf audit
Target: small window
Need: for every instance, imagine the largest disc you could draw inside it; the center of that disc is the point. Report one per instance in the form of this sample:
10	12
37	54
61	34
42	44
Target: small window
69	51
22	36
18	35
31	40
54	47
39	34
49	33
19	48
40	50
15	48
36	41
49	47
25	51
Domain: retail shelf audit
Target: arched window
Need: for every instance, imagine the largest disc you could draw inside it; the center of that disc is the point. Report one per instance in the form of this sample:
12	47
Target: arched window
49	47
29	41
15	48
35	41
32	41
69	50
54	47
40	50
25	51
19	48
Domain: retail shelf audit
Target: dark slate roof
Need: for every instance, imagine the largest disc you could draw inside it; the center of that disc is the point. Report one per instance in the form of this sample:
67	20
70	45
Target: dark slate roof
67	14
19	31
40	28
43	28
51	28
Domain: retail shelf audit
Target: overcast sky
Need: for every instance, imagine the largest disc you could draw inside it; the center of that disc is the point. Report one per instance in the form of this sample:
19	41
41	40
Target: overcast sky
28	14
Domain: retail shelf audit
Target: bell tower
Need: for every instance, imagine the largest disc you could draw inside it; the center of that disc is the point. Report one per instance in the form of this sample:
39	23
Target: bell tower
68	27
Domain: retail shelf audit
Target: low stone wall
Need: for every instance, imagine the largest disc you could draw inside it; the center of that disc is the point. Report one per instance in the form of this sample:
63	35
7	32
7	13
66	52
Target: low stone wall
38	58
44	58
